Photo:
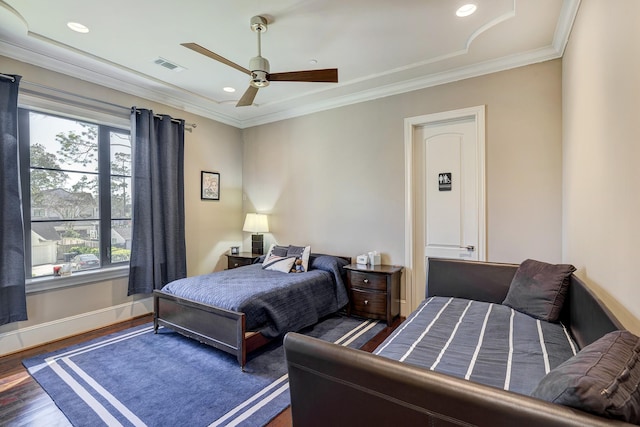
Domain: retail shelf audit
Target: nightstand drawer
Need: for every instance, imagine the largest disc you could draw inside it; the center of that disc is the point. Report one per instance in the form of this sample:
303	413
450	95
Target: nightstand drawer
369	304
376	282
234	262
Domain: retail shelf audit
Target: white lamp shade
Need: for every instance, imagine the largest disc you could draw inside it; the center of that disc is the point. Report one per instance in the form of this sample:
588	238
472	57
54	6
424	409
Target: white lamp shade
256	223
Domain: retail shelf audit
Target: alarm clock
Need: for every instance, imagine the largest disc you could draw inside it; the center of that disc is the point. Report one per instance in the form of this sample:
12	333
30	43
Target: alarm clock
362	259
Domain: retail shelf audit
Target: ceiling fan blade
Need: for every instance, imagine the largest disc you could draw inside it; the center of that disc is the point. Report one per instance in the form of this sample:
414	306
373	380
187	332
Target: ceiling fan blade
248	97
328	75
206	52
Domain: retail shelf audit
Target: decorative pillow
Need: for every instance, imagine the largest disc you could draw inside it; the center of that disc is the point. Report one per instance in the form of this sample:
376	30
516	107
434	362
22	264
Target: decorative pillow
602	378
328	263
301	253
277	250
278	263
539	289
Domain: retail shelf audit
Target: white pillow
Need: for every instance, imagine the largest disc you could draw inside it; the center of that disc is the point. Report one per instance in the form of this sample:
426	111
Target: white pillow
277	263
301	252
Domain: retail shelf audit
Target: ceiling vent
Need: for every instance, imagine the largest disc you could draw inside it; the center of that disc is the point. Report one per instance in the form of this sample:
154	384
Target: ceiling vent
168	64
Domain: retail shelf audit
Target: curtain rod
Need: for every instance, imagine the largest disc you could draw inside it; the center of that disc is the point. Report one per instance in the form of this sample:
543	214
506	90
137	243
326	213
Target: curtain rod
188	126
160	116
4	76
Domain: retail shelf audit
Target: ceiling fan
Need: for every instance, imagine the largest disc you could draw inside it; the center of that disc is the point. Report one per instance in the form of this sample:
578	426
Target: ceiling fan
259	67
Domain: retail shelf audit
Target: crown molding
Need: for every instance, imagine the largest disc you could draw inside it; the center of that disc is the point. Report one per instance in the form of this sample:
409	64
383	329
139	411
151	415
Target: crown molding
565	24
101	72
488	67
117	78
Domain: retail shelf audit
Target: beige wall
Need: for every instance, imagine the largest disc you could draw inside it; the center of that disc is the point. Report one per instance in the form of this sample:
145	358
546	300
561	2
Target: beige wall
601	96
335	179
211	227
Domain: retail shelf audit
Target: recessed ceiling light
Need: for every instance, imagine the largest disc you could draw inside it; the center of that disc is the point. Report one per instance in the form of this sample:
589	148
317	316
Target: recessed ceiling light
79	28
466	10
229	89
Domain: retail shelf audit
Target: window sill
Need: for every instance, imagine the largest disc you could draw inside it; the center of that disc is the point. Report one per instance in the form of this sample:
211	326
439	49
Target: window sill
49	283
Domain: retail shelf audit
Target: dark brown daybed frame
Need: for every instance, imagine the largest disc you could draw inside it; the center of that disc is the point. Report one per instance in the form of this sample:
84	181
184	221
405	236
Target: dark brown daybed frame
335	385
218	327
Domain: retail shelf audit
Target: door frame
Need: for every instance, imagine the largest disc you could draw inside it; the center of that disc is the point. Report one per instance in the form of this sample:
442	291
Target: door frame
410	124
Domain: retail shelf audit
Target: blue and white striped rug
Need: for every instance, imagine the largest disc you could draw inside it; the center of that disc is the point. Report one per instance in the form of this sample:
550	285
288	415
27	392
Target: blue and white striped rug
138	378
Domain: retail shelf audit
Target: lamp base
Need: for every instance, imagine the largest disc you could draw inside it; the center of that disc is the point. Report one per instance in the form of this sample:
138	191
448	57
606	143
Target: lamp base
257	244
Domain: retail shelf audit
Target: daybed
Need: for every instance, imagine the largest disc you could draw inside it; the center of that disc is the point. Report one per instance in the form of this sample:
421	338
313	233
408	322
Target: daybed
241	309
334	385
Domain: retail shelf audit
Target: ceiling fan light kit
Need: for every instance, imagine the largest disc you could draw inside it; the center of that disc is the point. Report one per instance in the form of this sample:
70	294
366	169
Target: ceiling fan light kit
260	71
259	67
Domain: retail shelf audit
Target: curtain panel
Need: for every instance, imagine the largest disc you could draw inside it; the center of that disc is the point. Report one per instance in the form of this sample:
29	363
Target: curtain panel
158	252
13	300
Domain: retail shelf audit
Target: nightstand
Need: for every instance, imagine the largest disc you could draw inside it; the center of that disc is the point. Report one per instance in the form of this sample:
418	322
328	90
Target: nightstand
374	291
238	260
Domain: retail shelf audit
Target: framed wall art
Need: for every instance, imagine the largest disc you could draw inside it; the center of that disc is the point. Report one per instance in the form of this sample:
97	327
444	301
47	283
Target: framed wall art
209	185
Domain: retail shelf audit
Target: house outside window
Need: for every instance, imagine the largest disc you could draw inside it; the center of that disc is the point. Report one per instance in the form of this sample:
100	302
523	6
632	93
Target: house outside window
76	179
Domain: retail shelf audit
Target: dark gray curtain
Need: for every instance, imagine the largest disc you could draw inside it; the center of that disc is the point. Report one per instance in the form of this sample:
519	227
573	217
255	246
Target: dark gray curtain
158	253
13	300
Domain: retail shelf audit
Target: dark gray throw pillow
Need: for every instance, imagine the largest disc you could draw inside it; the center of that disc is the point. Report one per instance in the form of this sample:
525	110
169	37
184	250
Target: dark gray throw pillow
602	378
280	250
539	289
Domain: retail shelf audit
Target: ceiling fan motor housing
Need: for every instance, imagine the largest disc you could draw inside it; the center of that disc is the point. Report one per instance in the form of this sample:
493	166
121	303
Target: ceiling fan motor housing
259	67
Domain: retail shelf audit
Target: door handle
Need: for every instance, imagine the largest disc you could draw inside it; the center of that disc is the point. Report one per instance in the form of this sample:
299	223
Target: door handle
470	248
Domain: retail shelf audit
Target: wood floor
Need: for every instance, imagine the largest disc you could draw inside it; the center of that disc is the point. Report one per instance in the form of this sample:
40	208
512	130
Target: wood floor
24	403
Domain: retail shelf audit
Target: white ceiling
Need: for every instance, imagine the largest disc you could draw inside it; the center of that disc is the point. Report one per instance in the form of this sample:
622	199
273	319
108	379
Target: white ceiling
380	47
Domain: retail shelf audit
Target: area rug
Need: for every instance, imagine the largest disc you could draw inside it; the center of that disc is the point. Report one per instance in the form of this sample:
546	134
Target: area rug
138	378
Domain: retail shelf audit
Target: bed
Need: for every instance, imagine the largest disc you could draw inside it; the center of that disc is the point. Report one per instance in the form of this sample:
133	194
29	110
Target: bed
582	370
482	342
241	309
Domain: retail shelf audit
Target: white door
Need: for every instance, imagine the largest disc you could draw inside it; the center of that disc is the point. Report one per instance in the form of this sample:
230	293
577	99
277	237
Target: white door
446	197
451	183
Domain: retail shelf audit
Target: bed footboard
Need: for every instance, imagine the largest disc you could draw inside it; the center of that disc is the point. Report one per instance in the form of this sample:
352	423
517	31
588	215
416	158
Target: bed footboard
335	385
217	327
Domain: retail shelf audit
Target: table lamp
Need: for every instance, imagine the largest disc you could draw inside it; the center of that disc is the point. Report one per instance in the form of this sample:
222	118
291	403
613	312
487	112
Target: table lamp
256	223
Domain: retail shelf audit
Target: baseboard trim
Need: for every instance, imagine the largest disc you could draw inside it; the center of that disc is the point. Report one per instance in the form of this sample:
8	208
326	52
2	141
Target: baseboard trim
32	336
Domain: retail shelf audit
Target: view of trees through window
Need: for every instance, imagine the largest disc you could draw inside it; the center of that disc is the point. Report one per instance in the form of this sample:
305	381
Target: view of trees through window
80	193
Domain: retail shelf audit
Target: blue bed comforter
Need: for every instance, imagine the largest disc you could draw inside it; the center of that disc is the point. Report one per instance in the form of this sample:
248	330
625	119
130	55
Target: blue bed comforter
274	303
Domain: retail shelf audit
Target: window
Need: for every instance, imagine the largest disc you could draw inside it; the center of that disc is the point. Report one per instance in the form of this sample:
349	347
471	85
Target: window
76	185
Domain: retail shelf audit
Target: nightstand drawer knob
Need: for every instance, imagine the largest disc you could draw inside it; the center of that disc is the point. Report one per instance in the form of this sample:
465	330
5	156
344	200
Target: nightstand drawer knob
235	265
366	280
366	302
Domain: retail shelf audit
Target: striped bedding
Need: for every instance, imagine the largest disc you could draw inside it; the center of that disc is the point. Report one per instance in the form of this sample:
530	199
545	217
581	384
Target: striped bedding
486	343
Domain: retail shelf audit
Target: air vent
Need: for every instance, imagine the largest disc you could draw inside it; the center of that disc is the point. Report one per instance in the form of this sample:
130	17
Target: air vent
168	64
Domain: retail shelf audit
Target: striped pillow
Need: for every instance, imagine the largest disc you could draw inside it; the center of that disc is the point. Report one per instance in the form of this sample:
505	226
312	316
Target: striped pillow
277	250
276	263
278	260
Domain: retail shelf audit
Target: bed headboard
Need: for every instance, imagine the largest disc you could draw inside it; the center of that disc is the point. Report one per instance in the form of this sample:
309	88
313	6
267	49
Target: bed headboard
480	281
583	313
346	258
